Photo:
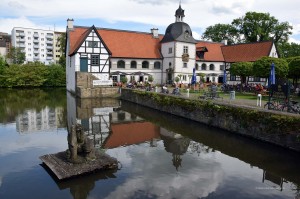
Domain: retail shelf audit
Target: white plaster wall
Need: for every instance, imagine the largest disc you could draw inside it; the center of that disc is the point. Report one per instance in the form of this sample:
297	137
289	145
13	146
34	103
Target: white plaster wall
156	73
71	85
273	52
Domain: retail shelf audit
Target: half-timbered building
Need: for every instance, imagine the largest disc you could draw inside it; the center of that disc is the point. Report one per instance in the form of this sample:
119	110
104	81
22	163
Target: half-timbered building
110	54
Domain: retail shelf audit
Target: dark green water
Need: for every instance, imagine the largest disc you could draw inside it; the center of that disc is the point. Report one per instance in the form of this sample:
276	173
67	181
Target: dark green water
160	155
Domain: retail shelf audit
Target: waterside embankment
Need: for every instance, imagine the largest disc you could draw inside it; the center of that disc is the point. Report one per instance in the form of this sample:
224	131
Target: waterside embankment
278	128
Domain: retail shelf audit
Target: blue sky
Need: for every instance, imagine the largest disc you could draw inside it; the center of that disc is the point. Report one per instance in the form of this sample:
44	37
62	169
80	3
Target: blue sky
140	15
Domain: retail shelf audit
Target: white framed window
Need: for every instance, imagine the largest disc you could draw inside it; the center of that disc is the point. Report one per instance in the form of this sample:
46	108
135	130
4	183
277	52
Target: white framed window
95	60
185	49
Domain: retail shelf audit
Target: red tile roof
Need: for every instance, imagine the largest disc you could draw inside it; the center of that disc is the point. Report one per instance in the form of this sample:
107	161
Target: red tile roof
213	53
248	52
121	43
131	133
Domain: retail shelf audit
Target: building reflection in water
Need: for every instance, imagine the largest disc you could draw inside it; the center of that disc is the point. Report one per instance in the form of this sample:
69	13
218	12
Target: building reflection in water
47	119
110	127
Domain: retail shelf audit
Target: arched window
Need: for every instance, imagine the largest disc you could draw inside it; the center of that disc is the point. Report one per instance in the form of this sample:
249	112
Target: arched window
145	64
197	67
121	64
133	64
211	67
157	65
170	64
203	66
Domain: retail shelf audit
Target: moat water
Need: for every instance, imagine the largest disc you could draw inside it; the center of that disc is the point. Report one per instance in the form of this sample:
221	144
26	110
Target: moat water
160	155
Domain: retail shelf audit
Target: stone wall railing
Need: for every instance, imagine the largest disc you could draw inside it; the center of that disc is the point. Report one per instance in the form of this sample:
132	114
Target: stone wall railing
279	128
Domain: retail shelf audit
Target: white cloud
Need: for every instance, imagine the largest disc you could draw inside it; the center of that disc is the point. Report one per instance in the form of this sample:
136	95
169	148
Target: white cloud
199	14
7	24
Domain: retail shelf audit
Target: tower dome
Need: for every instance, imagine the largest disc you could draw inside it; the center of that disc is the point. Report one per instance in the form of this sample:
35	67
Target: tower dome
179	31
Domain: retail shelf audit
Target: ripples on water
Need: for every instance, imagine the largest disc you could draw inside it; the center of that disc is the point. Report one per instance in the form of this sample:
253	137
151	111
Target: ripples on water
161	156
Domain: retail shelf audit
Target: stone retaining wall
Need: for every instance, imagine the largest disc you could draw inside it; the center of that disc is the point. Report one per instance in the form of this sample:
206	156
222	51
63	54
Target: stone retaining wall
85	88
279	128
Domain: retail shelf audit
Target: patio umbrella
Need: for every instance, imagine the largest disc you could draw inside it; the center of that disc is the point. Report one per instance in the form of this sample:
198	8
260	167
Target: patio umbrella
118	73
224	77
194	76
272	75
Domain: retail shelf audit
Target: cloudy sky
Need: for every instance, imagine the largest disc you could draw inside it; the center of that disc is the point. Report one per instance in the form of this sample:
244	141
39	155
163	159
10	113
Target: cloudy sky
140	15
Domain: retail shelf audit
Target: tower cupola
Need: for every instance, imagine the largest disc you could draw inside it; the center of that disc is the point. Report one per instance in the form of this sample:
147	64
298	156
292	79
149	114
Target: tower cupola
179	14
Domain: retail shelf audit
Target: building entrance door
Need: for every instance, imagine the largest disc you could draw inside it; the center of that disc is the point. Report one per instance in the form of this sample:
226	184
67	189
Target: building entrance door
83	64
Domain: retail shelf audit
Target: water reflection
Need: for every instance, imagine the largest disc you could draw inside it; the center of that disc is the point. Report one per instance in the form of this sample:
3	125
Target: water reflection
161	156
47	119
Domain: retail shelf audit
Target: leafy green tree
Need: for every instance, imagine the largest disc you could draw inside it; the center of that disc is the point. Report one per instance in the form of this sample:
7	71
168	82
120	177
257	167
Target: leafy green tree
16	55
201	75
220	32
242	69
294	69
56	76
261	67
288	49
62	61
27	75
62	43
256	26
2	68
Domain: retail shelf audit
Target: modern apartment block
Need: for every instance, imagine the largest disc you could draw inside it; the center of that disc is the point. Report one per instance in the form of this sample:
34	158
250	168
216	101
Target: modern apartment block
38	44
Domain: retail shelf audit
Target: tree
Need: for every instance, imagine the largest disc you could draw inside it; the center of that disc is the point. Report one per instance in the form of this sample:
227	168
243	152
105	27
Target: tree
288	49
16	55
62	43
242	69
253	27
56	76
256	26
261	67
220	32
294	69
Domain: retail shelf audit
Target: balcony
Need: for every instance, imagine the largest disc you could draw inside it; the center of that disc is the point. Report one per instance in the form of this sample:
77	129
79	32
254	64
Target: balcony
21	45
20	39
49	53
21	34
49	42
36	51
36	58
49	47
49	36
49	58
36	46
36	35
35	41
